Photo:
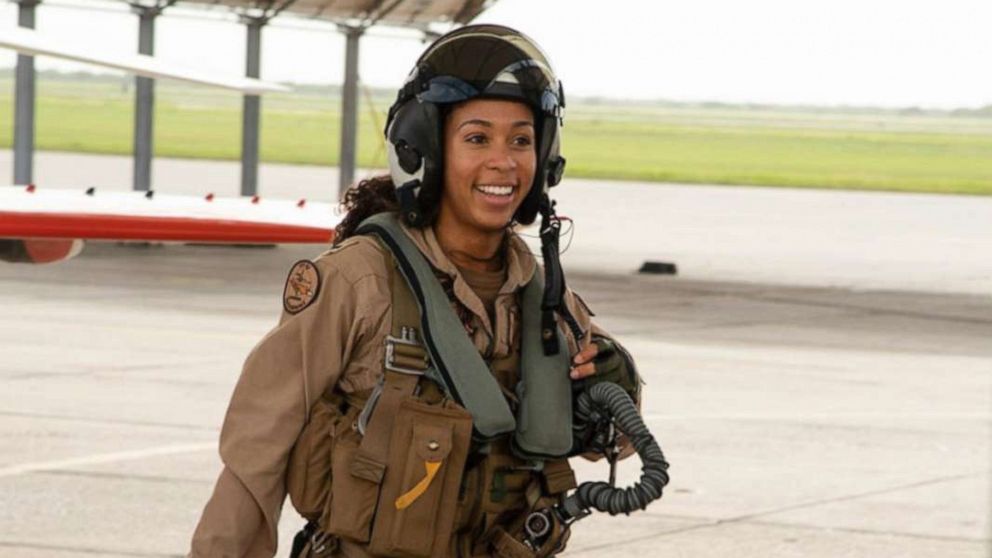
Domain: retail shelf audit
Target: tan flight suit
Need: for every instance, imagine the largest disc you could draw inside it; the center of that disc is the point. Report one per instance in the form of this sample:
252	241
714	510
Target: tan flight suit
338	339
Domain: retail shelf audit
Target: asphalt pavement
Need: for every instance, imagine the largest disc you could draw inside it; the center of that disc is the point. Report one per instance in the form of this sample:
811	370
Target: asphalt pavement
819	372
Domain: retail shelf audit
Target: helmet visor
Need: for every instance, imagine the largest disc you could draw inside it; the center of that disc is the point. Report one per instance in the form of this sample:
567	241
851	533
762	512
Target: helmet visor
491	61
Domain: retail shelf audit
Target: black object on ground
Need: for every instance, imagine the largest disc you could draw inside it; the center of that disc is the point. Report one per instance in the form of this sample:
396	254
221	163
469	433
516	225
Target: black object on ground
659	268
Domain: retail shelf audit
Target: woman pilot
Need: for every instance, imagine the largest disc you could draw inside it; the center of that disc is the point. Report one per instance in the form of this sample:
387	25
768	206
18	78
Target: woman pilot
366	403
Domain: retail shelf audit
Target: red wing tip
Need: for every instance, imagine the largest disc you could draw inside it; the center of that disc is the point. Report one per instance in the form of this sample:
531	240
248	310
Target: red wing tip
255	199
31	188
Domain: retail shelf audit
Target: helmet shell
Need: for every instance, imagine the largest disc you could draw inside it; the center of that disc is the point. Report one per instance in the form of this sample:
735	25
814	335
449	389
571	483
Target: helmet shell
476	61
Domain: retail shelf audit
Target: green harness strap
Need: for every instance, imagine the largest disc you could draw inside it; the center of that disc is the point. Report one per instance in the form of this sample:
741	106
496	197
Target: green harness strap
543	428
544	417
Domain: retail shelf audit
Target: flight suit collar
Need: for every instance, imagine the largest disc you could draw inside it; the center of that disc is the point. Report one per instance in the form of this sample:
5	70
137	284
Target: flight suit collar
520	267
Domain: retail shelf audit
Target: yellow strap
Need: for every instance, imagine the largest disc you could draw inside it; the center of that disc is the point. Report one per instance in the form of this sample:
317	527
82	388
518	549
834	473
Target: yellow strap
417	491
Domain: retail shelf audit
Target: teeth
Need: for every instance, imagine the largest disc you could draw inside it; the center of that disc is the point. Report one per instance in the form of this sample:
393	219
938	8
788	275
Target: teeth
496	190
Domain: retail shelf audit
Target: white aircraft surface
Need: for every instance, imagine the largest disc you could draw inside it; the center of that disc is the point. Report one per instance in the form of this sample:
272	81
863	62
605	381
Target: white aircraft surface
27	41
47	225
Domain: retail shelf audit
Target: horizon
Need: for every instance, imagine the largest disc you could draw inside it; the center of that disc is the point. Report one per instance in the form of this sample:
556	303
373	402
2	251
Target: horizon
114	75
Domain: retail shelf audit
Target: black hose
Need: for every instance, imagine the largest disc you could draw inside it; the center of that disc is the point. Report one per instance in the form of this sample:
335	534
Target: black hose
609	399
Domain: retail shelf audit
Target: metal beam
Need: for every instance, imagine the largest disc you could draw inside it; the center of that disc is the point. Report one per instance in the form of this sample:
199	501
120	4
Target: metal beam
349	109
24	93
251	108
144	100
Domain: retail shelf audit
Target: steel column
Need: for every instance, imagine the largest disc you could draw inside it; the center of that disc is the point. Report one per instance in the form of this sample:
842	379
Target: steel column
251	108
144	101
24	94
349	109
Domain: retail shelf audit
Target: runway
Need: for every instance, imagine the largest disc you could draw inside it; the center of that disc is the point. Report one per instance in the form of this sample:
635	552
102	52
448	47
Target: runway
809	406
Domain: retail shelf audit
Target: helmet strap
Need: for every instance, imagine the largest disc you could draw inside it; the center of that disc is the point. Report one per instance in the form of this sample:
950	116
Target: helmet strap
407	197
554	280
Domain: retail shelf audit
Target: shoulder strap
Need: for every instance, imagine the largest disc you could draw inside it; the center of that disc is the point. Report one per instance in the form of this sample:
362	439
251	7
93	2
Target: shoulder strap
544	418
405	364
457	365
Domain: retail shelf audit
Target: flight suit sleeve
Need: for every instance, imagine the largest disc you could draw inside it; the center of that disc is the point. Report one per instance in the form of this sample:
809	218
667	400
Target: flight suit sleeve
310	350
625	369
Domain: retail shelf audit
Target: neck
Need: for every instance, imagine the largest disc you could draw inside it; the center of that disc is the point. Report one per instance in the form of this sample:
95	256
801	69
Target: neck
470	248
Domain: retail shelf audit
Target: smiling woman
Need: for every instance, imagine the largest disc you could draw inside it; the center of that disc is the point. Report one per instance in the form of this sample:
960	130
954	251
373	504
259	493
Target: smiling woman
488	170
416	399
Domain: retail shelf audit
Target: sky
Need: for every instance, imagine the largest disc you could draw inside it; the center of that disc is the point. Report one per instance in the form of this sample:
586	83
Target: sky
885	53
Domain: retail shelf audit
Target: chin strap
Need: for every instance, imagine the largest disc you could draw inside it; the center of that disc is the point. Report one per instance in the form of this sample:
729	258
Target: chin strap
554	281
407	197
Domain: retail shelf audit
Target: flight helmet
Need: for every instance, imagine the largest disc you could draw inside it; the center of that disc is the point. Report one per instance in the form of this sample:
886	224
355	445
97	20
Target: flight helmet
475	61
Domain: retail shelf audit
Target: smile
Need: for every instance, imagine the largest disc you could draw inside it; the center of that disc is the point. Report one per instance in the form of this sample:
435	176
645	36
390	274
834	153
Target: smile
495	190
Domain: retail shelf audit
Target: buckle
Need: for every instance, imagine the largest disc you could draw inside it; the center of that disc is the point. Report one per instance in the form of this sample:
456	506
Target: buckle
406	343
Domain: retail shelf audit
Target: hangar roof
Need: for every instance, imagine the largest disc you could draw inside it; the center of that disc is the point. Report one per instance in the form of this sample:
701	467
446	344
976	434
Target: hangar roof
415	13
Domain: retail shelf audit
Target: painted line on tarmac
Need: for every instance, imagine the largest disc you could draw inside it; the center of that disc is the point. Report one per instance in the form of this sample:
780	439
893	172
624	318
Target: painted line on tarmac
83	550
747	518
97	459
659	417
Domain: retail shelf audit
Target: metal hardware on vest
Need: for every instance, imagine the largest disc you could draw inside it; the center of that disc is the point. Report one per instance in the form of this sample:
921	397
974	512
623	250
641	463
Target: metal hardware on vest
542	428
311	542
537	525
402	350
361	424
407	349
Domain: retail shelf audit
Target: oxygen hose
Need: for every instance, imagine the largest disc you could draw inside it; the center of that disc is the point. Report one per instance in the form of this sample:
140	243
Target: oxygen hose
603	401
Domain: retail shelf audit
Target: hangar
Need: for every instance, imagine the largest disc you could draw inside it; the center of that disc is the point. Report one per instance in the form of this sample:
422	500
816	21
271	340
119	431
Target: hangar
352	18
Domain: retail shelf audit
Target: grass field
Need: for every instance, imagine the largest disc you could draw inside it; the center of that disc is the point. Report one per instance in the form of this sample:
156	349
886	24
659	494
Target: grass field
882	150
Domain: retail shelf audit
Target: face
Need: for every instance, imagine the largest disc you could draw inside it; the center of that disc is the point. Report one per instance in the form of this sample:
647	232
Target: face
489	160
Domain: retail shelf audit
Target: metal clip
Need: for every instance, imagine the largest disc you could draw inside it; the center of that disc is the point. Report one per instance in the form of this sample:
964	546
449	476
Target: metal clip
322	542
366	414
408	336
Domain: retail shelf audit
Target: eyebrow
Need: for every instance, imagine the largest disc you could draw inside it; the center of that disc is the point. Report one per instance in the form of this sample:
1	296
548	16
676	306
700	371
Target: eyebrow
488	124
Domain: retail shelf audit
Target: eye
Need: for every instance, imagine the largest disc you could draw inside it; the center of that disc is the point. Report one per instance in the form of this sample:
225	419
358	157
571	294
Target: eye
523	140
477	139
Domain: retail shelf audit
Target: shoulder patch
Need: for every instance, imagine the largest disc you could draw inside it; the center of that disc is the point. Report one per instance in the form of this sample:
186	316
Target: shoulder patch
302	286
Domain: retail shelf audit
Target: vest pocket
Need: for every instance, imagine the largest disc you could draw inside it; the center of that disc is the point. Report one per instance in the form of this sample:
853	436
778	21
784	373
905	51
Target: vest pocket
417	507
355	480
308	473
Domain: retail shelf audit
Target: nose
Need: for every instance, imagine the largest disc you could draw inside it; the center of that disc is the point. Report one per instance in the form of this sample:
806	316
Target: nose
502	159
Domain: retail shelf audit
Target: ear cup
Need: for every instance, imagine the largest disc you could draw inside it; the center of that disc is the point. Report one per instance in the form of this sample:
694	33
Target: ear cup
556	169
414	134
409	158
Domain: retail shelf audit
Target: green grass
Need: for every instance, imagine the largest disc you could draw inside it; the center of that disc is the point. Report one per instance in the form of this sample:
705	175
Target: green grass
881	150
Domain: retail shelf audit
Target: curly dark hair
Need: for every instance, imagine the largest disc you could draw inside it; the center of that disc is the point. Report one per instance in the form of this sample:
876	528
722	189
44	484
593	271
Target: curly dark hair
376	195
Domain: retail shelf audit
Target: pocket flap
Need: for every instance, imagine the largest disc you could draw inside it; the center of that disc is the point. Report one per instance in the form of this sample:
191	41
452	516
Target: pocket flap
432	442
367	467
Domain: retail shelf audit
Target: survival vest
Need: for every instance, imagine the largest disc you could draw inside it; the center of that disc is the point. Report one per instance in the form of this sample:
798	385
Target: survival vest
542	427
397	475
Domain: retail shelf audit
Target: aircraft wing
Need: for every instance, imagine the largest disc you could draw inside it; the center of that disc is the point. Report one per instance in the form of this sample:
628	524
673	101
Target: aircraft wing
54	221
27	41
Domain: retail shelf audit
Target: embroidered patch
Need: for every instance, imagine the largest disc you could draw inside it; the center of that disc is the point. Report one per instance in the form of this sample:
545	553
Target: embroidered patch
302	286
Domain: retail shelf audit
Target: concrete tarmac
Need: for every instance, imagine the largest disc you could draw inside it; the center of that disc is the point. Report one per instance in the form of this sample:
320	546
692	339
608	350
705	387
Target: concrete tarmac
805	413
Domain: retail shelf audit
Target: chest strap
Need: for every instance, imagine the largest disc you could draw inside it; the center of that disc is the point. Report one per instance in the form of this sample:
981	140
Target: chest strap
457	365
406	362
